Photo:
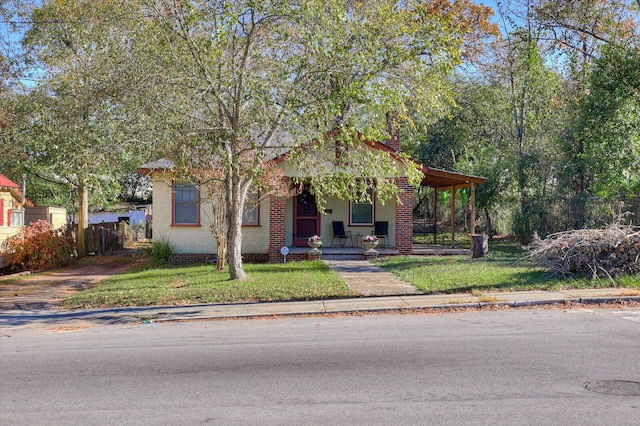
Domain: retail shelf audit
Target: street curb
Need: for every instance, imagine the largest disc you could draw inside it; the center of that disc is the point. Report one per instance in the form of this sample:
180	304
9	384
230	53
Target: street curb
404	309
163	314
613	299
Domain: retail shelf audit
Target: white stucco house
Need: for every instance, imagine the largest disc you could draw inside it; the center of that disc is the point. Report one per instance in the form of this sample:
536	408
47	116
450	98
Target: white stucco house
180	217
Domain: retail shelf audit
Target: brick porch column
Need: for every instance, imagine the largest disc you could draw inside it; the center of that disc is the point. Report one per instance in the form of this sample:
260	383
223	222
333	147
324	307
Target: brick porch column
404	218
277	228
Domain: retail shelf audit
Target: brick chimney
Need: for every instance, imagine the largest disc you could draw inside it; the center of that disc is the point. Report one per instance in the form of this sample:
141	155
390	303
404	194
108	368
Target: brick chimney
393	129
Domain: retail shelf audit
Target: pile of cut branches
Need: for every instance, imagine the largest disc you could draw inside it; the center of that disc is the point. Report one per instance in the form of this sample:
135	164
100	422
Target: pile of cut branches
604	253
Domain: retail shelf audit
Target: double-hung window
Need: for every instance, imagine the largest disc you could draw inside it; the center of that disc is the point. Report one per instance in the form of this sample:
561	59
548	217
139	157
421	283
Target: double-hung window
17	217
186	204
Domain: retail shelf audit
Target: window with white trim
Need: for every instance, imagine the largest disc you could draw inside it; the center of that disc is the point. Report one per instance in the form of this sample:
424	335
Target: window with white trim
17	218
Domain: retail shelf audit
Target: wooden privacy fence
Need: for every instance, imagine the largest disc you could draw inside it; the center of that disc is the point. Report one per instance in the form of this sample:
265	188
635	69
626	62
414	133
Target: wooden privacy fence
101	238
104	238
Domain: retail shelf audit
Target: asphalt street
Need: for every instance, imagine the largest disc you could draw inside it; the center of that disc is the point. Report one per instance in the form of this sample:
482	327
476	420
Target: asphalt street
542	367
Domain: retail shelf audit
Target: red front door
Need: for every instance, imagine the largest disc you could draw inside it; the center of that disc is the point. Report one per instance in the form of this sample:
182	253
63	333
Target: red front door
306	218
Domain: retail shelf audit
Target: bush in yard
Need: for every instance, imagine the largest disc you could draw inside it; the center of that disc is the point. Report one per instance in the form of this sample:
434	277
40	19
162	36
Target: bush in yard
38	247
522	227
161	252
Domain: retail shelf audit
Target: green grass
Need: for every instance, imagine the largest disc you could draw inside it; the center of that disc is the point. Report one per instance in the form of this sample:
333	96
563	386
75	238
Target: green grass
310	280
504	269
462	239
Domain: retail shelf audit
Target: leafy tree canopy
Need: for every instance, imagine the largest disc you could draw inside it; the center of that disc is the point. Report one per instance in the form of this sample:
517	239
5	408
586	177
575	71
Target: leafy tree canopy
239	82
610	122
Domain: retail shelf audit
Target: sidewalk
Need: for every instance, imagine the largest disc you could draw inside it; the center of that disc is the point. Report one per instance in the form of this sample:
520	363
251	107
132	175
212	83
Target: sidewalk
155	314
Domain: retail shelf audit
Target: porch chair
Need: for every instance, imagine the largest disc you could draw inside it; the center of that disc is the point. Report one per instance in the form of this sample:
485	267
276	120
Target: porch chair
382	232
340	234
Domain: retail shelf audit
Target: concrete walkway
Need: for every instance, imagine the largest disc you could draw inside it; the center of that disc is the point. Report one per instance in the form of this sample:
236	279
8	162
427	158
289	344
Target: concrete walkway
368	279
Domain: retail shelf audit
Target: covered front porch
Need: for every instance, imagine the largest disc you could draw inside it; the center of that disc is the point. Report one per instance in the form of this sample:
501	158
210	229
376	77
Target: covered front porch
294	219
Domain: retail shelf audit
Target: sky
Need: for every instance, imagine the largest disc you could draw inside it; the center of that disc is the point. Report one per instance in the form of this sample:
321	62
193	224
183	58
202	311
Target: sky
7	39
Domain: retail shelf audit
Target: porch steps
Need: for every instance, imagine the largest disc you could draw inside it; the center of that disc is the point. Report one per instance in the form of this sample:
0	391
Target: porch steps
346	256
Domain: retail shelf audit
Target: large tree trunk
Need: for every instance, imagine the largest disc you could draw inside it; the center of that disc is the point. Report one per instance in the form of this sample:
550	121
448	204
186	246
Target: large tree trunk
489	224
236	271
221	250
219	226
83	218
236	193
578	212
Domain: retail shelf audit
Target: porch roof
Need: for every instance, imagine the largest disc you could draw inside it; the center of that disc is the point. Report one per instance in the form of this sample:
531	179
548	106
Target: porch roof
444	180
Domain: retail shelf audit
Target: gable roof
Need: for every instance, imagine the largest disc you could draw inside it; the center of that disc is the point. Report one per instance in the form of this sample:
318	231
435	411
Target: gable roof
369	142
14	189
5	182
434	178
160	164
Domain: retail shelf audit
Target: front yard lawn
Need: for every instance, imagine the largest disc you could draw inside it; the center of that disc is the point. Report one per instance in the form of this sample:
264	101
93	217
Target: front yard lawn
181	285
504	269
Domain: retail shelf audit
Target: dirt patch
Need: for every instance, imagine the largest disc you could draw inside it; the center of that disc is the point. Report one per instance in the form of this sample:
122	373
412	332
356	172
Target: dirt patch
46	290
